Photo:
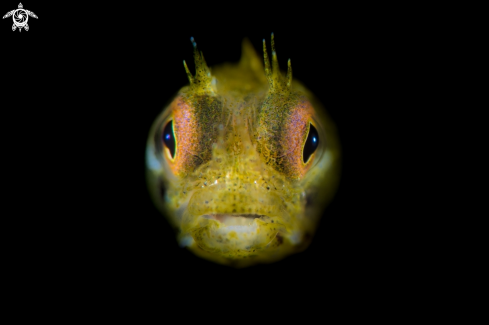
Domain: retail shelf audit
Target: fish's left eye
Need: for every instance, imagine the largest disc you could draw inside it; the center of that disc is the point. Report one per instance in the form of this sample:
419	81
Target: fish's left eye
169	139
311	144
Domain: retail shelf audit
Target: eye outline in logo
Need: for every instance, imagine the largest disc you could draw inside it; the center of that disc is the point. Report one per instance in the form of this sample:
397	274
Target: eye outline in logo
18	15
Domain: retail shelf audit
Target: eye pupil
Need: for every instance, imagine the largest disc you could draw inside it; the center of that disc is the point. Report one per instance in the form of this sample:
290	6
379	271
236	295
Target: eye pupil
169	138
311	144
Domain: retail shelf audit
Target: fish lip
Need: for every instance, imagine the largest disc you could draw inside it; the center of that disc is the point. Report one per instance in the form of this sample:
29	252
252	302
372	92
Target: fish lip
222	216
234	219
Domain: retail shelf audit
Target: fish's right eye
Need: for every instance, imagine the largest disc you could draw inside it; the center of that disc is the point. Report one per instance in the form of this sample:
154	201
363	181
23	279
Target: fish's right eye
169	140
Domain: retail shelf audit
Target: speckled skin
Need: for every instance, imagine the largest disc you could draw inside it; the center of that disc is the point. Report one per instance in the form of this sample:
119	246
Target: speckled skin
238	191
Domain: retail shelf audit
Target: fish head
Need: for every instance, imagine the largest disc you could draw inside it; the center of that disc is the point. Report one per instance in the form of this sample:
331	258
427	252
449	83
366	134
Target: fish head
242	161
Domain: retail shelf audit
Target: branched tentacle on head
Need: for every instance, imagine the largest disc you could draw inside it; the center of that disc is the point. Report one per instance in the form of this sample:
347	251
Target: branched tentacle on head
202	81
276	80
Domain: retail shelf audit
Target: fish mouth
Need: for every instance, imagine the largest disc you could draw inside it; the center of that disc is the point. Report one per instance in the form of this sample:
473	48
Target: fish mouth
241	220
211	223
243	225
236	235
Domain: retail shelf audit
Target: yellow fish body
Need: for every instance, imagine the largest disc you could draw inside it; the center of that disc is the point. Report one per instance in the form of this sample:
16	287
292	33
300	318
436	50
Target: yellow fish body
243	161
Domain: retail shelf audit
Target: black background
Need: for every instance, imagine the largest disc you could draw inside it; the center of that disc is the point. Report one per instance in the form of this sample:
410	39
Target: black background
84	94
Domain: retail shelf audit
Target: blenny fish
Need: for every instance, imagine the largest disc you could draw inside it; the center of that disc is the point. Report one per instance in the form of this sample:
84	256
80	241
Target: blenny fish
243	160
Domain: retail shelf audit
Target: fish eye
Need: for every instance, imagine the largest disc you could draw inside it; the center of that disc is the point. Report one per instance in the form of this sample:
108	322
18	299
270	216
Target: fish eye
169	139
311	144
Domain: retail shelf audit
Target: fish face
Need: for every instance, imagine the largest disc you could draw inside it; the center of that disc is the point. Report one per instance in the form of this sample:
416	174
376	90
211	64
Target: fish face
242	162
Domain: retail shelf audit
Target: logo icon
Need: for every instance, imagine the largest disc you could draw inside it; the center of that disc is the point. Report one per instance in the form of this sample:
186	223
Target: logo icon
20	17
